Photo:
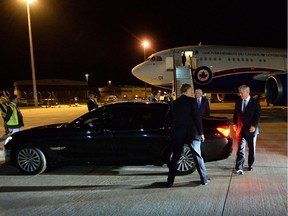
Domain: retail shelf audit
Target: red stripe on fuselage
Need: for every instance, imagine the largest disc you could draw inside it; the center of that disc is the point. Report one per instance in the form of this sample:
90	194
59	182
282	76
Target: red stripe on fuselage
242	70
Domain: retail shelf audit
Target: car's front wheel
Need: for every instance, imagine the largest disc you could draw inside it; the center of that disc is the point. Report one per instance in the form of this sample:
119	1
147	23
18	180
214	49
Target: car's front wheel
30	160
186	163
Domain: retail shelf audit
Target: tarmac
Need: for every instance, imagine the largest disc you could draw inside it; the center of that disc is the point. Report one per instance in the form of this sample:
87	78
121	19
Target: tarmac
130	190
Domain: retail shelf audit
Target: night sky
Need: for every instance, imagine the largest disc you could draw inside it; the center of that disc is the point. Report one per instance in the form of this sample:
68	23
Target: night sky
104	38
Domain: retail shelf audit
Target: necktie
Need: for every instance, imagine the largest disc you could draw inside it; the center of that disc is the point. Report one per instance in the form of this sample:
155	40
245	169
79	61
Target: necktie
198	102
244	105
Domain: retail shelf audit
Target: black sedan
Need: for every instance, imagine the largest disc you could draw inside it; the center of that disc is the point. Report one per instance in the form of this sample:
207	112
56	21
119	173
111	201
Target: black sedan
122	133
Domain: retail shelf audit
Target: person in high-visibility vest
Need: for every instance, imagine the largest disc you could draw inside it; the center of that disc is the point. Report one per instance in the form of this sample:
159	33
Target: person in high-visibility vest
3	107
14	118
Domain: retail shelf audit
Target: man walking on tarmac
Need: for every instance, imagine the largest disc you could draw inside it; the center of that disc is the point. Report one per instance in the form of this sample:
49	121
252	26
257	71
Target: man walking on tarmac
186	127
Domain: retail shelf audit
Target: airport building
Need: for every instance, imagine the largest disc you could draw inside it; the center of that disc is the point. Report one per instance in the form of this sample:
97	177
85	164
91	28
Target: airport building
122	92
58	91
51	91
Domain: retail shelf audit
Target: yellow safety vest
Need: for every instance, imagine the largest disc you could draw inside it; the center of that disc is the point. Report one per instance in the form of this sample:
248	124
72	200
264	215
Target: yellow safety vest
14	117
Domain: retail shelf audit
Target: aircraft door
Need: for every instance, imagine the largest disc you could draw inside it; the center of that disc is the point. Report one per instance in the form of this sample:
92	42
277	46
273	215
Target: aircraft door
194	63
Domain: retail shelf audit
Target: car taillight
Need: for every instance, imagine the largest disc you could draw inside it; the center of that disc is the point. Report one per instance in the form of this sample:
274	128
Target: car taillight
224	130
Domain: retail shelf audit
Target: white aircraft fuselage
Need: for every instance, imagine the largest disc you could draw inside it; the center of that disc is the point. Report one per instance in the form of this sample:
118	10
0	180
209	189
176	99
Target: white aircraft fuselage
218	69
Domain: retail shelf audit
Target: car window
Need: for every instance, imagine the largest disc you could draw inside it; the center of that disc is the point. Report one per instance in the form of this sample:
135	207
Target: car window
107	119
145	118
126	118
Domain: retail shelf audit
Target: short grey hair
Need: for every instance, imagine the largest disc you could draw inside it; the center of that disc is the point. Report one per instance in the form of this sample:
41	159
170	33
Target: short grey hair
199	91
244	88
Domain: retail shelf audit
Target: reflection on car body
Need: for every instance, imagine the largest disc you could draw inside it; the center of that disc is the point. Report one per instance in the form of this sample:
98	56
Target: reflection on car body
122	133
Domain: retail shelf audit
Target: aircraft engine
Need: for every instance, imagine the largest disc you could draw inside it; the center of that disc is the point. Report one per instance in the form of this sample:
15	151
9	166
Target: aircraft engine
276	90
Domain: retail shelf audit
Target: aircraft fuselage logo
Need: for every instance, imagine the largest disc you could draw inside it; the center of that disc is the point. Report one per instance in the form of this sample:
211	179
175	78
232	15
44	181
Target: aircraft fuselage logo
203	75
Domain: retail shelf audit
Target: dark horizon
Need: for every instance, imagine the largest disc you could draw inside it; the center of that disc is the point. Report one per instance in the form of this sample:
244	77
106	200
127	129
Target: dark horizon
72	38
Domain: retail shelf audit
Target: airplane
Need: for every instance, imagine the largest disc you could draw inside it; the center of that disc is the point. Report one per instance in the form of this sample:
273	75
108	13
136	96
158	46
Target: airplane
221	69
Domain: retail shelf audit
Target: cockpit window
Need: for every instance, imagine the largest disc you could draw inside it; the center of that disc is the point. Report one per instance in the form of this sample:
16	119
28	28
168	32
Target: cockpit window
156	58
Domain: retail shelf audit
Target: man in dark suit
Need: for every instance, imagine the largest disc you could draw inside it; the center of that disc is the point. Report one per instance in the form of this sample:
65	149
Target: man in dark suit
246	118
203	103
92	102
156	96
186	128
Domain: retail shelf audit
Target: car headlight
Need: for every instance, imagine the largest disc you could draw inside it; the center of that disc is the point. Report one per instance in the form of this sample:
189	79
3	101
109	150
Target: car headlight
8	140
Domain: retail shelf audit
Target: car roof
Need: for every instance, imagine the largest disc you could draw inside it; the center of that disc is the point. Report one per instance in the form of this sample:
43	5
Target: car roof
137	102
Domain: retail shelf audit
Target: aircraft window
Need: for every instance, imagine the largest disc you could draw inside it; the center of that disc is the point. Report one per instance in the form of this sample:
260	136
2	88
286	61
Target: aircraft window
205	59
200	58
233	59
210	58
247	59
228	59
219	59
264	60
215	59
158	58
153	58
251	60
242	59
260	60
238	59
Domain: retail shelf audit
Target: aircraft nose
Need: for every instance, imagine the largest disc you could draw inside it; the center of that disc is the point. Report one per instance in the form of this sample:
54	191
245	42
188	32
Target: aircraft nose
137	71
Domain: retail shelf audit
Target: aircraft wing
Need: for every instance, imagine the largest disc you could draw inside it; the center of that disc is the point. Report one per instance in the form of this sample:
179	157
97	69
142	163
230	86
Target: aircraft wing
264	76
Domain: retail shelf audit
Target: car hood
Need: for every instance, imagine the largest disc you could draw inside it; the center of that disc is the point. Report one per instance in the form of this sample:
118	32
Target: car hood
58	125
37	131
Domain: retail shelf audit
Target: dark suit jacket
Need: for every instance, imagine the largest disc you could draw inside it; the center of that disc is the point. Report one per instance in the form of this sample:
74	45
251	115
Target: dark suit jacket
204	108
185	121
91	105
250	116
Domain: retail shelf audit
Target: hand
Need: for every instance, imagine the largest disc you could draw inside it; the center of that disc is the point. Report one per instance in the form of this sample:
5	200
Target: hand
235	127
252	129
202	138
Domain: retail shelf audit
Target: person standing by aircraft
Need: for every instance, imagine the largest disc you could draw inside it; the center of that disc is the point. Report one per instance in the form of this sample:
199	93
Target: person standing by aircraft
186	127
14	118
203	103
246	118
156	96
183	58
168	98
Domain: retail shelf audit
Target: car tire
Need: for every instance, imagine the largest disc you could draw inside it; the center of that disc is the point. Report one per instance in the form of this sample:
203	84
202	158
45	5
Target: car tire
30	161
186	163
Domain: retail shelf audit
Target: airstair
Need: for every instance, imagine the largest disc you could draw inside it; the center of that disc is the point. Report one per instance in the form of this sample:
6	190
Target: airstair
182	74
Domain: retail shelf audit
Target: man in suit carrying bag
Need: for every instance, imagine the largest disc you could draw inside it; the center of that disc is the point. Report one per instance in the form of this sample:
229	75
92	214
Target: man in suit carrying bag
246	118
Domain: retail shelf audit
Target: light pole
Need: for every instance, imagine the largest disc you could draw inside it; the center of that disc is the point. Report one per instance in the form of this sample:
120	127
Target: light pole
87	80
32	54
145	44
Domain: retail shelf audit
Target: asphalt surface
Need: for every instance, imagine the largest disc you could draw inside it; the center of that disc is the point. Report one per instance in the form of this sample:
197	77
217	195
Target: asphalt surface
140	190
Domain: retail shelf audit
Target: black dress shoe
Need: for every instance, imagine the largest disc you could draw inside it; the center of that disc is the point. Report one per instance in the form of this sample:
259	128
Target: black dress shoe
250	168
169	184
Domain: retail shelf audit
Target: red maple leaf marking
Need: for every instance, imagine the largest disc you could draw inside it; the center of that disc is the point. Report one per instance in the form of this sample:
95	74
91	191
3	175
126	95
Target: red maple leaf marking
203	75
